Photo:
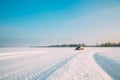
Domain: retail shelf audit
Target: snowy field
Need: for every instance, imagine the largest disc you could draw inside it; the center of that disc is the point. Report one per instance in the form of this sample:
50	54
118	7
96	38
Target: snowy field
59	64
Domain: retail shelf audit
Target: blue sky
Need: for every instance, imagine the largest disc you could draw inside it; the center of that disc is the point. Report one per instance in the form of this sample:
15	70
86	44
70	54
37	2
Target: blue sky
46	22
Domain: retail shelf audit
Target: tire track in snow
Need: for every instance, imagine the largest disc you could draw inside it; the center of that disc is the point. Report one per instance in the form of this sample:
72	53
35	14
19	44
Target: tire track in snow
31	67
30	74
44	75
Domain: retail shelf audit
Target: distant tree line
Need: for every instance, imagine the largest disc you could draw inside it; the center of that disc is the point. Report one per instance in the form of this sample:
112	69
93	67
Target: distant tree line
68	45
109	44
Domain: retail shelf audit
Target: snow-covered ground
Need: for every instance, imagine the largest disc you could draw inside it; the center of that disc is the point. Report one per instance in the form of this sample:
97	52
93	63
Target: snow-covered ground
30	63
54	63
81	67
109	60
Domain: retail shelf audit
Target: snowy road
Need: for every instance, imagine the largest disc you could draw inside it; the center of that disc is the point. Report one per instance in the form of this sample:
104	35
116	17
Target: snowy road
81	67
53	64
